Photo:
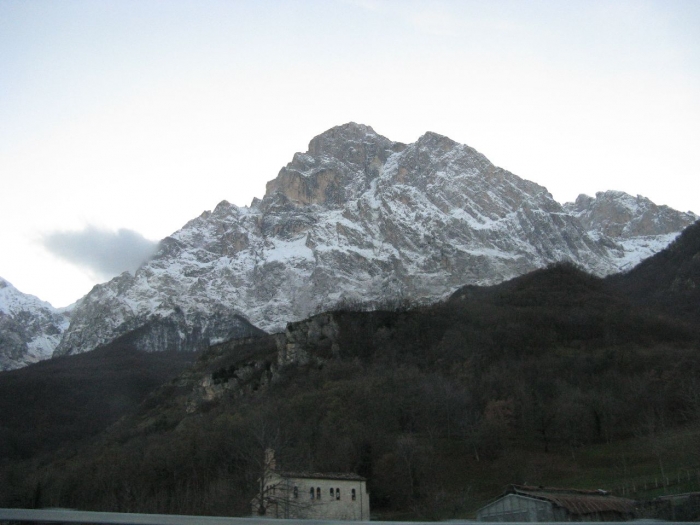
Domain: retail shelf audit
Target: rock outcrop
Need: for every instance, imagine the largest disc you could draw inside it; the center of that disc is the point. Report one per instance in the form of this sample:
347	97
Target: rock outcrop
225	370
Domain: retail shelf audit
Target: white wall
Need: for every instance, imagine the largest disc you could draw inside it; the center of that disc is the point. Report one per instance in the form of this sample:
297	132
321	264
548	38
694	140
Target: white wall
325	507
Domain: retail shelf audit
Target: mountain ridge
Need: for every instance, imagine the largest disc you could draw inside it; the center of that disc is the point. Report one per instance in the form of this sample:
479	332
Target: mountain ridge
30	329
357	218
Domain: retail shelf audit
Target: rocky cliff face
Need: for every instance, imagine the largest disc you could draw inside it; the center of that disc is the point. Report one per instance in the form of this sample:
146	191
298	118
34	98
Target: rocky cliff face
356	218
30	329
153	320
637	226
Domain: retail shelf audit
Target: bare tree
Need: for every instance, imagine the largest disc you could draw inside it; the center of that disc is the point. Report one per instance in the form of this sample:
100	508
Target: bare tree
273	494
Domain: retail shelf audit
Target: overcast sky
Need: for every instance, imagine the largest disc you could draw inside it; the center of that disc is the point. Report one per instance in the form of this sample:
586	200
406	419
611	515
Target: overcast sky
122	120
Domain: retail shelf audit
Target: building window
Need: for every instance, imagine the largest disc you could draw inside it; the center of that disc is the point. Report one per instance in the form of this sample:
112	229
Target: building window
312	492
296	492
337	493
331	492
354	496
318	492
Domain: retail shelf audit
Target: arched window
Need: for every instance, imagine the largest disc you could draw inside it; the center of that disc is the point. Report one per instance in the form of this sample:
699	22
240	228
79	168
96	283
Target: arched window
337	493
354	496
296	492
331	492
311	492
318	492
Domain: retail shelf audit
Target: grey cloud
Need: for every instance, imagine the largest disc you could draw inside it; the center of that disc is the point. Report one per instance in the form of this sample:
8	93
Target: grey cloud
105	252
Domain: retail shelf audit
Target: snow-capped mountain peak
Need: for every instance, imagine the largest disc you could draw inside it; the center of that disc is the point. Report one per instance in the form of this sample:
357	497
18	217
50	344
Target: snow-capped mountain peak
12	301
359	218
30	329
639	227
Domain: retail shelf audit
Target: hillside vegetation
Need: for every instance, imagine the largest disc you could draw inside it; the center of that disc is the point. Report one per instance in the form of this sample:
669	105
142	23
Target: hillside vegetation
554	378
64	401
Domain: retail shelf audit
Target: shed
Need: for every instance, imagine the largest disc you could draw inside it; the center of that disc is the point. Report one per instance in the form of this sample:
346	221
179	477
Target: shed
526	503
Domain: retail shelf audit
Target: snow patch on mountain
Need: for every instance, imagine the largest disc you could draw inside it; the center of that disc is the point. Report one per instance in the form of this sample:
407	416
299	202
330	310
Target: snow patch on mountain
636	249
30	329
636	226
361	218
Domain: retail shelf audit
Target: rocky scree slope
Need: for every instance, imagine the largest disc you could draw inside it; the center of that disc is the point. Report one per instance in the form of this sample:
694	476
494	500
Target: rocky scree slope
30	329
357	218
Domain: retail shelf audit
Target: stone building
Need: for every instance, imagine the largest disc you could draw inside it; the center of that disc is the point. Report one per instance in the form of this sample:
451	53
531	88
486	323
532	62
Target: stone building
523	503
310	495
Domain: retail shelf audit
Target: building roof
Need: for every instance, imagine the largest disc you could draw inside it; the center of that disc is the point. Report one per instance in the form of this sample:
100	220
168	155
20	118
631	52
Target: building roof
348	476
576	501
677	497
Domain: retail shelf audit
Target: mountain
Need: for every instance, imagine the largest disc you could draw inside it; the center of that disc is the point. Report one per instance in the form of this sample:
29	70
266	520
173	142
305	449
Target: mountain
30	329
668	281
358	218
639	227
153	311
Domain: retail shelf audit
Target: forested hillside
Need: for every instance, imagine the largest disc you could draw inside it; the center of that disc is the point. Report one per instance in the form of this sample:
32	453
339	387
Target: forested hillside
554	378
64	401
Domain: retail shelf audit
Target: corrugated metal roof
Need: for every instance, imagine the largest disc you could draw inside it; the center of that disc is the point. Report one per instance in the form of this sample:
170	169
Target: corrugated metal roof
671	497
576	501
